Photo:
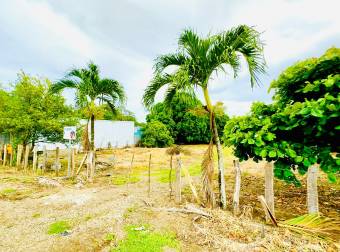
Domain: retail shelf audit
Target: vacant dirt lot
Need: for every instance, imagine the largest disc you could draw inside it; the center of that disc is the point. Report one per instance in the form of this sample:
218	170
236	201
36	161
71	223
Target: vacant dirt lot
98	213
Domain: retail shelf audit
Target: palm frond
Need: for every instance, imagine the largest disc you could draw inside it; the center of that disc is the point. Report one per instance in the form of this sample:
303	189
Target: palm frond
171	59
112	88
62	84
155	85
314	225
207	167
244	40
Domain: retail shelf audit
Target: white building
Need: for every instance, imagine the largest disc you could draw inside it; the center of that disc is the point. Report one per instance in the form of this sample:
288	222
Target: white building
113	133
116	134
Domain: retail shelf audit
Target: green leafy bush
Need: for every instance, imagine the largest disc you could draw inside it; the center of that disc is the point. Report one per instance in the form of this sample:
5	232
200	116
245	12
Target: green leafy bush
156	134
300	128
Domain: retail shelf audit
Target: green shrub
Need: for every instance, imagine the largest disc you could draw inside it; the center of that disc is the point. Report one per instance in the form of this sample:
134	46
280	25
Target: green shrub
58	227
156	134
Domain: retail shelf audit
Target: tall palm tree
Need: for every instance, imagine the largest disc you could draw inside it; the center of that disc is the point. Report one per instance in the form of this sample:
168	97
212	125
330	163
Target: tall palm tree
196	60
90	88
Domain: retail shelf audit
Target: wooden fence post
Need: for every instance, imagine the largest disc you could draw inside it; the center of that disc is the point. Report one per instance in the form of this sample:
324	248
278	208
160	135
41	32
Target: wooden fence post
73	162
27	153
88	165
44	162
5	155
312	190
19	155
35	158
178	186
269	188
236	197
11	157
57	161
1	150
130	171
149	177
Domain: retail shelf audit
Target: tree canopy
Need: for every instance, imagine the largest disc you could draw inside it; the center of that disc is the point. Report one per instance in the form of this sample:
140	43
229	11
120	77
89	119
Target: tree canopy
29	113
301	127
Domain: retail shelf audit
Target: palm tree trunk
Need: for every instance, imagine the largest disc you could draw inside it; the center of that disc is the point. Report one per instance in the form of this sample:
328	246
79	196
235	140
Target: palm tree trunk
92	132
221	179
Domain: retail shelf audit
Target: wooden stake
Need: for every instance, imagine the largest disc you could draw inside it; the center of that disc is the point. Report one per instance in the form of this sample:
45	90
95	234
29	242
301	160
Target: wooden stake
269	188
149	180
266	209
27	153
44	162
88	165
19	155
81	164
35	158
1	150
5	155
73	162
236	198
69	160
11	157
192	187
130	171
312	190
57	161
178	185
170	178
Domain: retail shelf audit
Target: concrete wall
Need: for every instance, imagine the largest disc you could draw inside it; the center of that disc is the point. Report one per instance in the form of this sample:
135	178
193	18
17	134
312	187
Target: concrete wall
114	133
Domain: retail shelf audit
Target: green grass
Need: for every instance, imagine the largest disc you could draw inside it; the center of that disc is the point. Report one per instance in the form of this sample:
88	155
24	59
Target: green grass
7	191
146	241
58	227
163	174
122	179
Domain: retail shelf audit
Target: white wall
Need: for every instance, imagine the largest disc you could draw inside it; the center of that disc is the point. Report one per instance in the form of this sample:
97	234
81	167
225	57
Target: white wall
118	133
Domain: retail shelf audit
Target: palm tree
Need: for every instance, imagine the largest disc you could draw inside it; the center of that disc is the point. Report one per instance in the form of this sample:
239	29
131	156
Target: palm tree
90	88
196	60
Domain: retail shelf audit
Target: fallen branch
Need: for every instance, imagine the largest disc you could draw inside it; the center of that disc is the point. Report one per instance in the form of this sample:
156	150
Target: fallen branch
188	209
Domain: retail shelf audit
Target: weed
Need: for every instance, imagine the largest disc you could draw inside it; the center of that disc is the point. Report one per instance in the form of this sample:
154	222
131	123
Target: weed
110	237
120	179
36	215
58	227
145	240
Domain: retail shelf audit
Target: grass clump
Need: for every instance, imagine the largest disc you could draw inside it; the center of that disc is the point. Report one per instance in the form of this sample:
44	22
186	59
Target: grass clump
120	179
58	227
146	240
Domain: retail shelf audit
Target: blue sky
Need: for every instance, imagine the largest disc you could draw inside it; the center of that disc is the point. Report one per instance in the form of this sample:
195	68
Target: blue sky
48	37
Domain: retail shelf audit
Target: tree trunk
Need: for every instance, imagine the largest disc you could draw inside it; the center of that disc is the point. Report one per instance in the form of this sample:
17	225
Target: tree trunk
92	132
312	190
236	198
221	179
269	187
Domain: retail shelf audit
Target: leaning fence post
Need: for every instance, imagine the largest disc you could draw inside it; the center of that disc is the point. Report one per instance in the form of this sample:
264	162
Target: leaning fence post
178	189
312	190
269	188
5	155
236	198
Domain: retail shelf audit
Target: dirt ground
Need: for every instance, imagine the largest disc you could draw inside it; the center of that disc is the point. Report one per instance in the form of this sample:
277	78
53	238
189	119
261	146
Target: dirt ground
109	204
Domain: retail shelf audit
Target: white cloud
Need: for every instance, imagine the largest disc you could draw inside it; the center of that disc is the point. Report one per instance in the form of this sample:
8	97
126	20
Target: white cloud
235	108
49	37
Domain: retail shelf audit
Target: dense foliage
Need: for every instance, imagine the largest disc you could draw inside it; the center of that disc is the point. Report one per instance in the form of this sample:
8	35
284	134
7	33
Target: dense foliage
29	113
301	127
156	134
187	121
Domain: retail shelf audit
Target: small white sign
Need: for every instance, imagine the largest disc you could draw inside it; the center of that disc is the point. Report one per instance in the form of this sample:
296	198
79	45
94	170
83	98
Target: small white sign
70	132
